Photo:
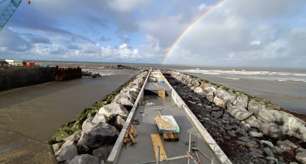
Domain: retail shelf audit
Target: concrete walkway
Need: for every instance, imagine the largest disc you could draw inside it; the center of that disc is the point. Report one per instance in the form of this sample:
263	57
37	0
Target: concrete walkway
142	151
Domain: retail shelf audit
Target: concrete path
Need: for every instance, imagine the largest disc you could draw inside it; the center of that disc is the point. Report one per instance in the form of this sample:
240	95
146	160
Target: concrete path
142	151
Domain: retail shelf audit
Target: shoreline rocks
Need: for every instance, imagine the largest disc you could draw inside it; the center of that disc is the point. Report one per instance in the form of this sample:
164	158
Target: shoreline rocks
97	131
257	127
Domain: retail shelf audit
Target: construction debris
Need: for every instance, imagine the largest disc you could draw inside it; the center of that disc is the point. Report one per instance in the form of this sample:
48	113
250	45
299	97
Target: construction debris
130	136
166	123
170	137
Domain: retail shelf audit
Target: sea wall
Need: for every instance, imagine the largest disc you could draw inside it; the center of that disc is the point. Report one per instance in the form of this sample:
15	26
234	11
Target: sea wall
92	135
285	132
256	112
13	77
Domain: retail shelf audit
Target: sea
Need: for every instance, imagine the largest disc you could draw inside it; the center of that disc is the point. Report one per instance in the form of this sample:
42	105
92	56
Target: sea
285	87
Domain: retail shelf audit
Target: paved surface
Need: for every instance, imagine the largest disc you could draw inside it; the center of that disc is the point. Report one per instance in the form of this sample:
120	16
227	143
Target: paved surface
143	150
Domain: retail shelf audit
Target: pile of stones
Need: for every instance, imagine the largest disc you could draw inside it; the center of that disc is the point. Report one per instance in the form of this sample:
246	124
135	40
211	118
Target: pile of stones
255	126
93	143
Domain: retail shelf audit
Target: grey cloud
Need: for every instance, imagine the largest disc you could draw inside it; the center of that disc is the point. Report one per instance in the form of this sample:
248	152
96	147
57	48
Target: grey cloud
224	37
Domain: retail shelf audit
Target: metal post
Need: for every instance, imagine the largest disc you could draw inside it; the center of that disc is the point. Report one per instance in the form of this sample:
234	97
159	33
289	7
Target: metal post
189	148
158	155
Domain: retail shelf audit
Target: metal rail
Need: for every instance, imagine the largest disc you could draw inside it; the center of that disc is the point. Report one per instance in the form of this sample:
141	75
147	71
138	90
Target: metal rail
113	156
198	125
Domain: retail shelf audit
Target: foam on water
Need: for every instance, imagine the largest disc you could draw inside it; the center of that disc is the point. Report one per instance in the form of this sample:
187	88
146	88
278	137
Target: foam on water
256	75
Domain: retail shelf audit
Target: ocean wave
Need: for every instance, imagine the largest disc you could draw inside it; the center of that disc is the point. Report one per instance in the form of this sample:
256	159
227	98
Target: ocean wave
243	72
256	75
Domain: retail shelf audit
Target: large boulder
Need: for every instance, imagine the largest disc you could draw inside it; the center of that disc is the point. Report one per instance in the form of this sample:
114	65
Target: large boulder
119	122
241	100
239	113
219	102
88	125
67	152
85	159
252	121
99	117
286	146
209	90
99	135
271	129
293	126
102	152
255	106
301	156
199	91
225	95
124	99
113	109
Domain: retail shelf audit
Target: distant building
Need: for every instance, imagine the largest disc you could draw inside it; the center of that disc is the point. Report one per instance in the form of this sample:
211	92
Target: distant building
28	64
10	62
7	62
3	63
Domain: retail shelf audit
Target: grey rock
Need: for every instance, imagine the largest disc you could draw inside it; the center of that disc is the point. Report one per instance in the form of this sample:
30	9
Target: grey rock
286	146
239	113
199	90
102	152
225	95
88	124
100	134
271	129
255	106
301	156
84	159
267	143
255	133
272	160
124	99
113	109
219	102
268	151
56	146
253	122
66	152
256	152
119	122
241	100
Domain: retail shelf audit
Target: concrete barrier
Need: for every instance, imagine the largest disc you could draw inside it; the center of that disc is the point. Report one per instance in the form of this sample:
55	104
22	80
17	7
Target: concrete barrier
113	156
204	133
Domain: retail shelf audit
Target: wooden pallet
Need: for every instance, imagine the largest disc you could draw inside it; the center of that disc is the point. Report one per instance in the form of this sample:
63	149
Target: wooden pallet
170	137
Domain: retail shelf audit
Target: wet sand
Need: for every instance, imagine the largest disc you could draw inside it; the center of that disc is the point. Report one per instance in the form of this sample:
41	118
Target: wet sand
30	115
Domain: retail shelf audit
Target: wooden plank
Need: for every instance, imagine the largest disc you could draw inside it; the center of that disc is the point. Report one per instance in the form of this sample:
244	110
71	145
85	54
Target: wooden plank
170	136
157	142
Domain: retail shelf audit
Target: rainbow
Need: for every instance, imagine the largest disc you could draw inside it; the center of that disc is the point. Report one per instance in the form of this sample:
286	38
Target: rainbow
190	27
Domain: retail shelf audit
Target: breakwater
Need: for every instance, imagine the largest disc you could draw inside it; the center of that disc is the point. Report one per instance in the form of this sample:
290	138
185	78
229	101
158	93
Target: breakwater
247	128
91	136
14	77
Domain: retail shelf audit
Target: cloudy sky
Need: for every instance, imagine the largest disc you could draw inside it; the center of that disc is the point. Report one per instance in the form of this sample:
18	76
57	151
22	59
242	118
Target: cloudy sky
234	33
